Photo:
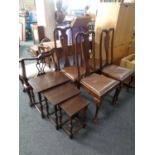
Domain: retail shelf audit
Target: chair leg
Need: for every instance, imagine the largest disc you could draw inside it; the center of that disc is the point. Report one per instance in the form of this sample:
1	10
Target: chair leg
130	81
117	92
98	103
77	84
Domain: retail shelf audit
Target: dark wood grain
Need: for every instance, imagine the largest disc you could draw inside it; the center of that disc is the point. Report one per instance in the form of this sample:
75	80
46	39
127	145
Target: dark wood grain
48	80
97	85
106	45
61	93
74	105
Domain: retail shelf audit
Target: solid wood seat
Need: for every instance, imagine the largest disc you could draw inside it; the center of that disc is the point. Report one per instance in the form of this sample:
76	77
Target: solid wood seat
117	72
99	84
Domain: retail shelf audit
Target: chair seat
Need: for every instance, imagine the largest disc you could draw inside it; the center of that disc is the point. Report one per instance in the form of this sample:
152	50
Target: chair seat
74	105
32	71
117	72
72	72
99	84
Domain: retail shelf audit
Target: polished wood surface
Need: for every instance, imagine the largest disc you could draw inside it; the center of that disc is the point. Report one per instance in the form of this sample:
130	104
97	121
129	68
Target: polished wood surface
66	97
85	54
65	40
67	63
72	108
97	85
47	81
106	47
74	105
61	93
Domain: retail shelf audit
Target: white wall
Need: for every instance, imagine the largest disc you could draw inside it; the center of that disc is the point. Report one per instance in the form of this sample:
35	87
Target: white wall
49	18
45	16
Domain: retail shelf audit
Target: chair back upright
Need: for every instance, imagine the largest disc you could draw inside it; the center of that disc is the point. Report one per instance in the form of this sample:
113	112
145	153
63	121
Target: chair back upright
61	38
84	51
65	39
106	45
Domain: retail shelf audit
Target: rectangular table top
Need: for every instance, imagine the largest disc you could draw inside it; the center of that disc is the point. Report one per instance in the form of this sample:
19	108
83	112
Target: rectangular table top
61	93
48	80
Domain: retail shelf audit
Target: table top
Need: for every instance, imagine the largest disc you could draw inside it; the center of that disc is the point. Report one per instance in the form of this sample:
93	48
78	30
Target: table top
74	105
61	93
48	80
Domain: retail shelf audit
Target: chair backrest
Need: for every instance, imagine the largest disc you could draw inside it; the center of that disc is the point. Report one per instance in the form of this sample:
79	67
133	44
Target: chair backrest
40	62
61	37
85	51
66	38
106	45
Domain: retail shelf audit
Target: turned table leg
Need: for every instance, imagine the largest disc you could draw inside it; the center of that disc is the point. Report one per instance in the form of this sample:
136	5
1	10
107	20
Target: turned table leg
56	117
47	108
41	106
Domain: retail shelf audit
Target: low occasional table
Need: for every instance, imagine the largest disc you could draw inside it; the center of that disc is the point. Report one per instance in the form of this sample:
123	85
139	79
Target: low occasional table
45	82
58	95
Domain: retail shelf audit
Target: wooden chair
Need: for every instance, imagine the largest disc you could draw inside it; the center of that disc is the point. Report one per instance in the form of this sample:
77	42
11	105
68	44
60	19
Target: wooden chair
108	68
97	85
67	66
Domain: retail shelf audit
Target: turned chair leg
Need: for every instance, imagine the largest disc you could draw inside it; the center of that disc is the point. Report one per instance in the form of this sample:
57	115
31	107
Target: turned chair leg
98	103
117	92
130	81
